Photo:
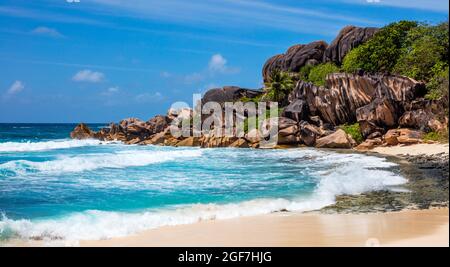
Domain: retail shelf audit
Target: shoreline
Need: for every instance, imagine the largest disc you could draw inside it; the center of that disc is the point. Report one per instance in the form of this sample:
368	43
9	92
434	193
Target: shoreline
404	228
407	227
350	226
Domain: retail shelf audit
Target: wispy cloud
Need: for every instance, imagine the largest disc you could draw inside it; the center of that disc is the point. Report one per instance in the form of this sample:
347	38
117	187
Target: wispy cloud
45	31
79	65
88	76
110	91
42	15
235	13
149	97
217	64
15	88
431	5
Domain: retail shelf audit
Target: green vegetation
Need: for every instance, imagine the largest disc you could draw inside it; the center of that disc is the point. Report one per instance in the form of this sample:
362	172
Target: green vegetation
438	84
441	137
382	51
317	74
419	51
279	86
354	131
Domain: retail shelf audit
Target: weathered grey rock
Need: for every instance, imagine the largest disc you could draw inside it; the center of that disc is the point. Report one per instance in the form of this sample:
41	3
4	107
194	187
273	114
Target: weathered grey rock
339	139
158	124
348	38
369	144
295	57
297	110
284	122
368	128
309	133
345	93
402	136
422	120
228	94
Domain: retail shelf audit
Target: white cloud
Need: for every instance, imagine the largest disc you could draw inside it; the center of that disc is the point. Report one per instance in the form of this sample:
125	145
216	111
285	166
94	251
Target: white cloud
15	88
431	5
111	91
88	76
217	63
44	31
237	14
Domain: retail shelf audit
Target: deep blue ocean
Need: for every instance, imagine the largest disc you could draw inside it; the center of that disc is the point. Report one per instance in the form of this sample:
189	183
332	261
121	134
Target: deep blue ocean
54	188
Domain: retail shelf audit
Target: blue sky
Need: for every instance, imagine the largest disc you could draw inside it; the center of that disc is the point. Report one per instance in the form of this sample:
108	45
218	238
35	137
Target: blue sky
104	60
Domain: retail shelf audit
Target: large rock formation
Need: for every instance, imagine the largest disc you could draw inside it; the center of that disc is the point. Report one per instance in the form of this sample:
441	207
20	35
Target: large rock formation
337	103
378	102
295	57
425	115
82	131
402	136
317	52
338	139
348	38
229	94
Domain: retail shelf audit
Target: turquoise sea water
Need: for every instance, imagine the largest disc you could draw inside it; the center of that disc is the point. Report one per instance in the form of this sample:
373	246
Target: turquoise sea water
54	188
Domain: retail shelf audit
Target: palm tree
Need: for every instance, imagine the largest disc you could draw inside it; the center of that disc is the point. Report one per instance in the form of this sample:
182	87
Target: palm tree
279	86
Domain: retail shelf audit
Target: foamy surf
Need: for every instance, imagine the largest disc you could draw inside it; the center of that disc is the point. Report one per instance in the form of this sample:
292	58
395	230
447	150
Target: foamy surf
89	162
45	145
347	174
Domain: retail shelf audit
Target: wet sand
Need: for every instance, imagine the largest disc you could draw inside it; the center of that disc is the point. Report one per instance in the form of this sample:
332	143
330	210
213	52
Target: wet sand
405	228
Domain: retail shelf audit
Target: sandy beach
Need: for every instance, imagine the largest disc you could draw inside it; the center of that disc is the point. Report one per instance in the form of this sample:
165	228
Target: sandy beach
412	150
406	228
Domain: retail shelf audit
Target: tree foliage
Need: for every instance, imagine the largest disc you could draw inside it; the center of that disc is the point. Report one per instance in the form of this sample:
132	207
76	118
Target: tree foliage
382	51
318	74
279	86
419	51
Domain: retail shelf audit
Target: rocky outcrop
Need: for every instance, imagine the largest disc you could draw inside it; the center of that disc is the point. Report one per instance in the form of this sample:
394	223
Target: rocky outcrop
295	57
338	139
288	131
402	136
318	52
229	94
425	115
369	144
158	124
297	110
309	133
311	114
82	131
348	38
337	102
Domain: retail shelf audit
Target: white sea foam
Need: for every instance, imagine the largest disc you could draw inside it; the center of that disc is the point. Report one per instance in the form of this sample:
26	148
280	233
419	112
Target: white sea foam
46	145
89	162
340	174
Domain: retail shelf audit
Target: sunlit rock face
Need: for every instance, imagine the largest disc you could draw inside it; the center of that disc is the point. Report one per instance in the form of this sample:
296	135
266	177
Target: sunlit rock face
348	98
